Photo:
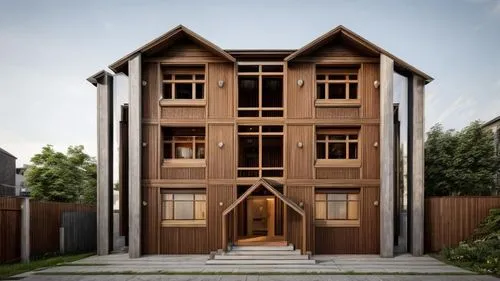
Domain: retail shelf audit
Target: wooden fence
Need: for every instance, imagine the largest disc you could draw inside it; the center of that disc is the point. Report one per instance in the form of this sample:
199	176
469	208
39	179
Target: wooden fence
449	220
45	221
10	229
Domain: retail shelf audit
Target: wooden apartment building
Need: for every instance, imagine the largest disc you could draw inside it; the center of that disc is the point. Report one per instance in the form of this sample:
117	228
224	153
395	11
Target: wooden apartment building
247	147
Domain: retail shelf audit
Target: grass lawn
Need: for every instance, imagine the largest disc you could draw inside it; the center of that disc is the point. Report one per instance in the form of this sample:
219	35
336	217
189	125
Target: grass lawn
7	270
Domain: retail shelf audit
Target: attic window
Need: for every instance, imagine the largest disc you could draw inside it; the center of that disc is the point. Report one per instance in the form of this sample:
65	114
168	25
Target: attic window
337	84
183	83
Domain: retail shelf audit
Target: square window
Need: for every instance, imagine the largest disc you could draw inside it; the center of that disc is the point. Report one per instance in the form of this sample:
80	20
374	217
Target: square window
183	151
183	210
337	210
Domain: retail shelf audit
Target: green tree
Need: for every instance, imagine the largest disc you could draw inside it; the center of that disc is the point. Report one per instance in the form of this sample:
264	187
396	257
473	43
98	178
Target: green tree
70	177
460	163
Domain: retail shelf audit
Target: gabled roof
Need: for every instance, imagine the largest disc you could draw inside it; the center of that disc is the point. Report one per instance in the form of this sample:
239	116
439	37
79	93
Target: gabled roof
173	33
269	186
3	151
342	30
492	121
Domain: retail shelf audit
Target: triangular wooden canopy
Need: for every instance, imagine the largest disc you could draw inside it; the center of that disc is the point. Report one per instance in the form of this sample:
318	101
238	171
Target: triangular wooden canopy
269	186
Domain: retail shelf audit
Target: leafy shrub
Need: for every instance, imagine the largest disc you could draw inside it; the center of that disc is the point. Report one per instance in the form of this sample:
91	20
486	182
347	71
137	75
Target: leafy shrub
481	252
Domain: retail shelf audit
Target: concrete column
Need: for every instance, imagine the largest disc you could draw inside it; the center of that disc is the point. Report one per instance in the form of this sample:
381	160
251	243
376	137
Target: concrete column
104	84
134	154
386	157
417	191
25	230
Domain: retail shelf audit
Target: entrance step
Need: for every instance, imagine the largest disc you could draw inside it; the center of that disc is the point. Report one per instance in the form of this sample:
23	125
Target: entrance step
260	255
260	262
263	253
263	248
261	243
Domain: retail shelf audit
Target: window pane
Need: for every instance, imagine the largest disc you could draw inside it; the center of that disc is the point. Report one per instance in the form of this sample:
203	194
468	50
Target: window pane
200	151
320	151
337	210
353	137
336	91
272	68
320	91
320	196
337	137
272	129
337	150
183	197
199	76
320	210
337	197
167	150
353	196
183	210
168	210
183	77
200	210
167	196
272	151
248	91
353	212
167	77
248	68
200	197
320	77
248	154
184	150
321	137
272	91
200	88
183	91
336	77
353	151
248	129
353	91
353	77
167	91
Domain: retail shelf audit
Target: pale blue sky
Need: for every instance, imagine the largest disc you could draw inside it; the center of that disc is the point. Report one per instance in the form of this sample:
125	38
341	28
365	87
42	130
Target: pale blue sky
49	48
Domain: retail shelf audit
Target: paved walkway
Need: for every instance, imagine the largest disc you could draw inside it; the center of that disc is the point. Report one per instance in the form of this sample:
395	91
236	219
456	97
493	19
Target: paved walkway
108	268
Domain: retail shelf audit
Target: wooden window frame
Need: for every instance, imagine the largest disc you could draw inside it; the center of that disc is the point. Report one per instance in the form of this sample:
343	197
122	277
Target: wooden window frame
261	74
184	222
347	101
327	162
338	222
183	162
193	81
260	134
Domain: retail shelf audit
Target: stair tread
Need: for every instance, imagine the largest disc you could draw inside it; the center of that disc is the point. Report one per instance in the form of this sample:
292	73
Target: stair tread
267	248
250	262
261	257
275	253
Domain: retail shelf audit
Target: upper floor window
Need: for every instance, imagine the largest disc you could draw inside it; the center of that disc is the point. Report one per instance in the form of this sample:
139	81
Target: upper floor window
260	90
337	207
183	83
184	143
336	84
336	143
183	207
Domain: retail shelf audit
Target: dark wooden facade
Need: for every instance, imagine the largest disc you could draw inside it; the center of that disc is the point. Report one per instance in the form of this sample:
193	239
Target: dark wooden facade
302	114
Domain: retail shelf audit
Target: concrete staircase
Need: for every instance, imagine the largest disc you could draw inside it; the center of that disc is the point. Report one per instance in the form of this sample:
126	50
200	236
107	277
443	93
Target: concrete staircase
259	255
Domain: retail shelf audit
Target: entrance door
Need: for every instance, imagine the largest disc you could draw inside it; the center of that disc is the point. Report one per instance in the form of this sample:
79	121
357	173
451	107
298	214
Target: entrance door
260	216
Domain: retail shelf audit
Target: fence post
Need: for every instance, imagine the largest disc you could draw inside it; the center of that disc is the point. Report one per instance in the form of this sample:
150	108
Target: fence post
61	240
25	230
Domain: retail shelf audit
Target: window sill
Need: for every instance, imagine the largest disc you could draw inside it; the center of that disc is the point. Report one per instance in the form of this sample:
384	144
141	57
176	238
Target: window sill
183	223
337	223
184	163
338	103
165	102
343	163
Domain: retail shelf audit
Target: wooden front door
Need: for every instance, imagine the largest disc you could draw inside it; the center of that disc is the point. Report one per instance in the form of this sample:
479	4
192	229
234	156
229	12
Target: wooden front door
260	216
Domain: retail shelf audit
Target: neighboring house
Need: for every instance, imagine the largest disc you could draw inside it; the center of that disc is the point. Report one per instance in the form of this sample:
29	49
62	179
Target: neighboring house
7	173
21	180
260	147
494	126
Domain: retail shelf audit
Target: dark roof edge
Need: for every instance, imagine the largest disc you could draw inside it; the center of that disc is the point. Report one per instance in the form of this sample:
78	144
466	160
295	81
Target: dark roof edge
7	153
494	120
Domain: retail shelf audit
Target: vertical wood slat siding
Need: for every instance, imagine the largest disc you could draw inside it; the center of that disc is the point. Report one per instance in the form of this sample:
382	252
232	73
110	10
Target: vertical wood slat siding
216	194
449	220
220	100
45	221
150	220
182	173
337	173
150	91
10	229
150	153
299	159
300	99
370	96
337	112
220	160
178	112
370	154
353	240
294	221
185	50
183	240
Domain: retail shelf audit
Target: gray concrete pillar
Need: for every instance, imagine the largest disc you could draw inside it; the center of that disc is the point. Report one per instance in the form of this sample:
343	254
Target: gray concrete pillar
417	192
134	154
386	157
25	230
104	83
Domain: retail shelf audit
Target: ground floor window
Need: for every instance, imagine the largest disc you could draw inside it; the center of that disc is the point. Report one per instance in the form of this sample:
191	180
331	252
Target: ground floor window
337	207
181	207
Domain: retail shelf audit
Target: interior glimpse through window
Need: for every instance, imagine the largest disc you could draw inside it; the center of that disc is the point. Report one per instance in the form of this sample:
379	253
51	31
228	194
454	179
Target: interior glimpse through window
183	207
337	206
183	143
333	143
336	83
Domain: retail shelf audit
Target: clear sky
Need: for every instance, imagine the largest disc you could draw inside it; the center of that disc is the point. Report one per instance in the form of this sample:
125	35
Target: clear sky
48	49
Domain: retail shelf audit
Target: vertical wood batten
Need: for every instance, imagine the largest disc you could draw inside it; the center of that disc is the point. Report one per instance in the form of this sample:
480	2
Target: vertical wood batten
135	146
417	207
386	157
